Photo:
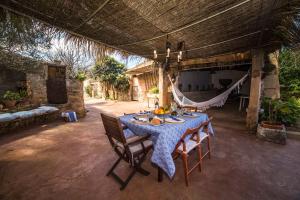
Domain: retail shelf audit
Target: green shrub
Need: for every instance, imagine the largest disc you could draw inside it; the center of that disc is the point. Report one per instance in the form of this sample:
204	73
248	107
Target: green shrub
154	90
284	111
9	95
289	73
81	76
88	90
23	94
122	83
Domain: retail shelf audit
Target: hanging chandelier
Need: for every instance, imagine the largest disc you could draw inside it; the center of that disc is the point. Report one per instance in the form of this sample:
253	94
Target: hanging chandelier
179	50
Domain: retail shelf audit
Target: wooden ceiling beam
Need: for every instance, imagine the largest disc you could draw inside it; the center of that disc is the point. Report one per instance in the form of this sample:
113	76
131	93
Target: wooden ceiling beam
220	58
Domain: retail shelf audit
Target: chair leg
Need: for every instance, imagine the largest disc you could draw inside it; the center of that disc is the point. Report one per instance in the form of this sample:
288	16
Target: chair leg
142	171
185	166
200	157
114	166
117	178
125	183
208	146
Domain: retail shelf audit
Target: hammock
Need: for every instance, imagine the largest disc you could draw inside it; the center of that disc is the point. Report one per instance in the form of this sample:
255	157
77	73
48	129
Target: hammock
217	101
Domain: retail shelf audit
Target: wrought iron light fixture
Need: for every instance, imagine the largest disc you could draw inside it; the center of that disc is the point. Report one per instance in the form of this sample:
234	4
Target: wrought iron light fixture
179	50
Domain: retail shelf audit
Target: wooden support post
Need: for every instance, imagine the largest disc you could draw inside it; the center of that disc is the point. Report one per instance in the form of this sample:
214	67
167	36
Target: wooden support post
255	89
271	81
162	86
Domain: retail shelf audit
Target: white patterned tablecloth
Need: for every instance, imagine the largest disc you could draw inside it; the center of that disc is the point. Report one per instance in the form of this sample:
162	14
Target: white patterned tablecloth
165	138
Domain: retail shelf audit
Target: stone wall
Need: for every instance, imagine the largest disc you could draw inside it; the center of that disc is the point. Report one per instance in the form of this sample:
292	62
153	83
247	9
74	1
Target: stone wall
36	82
75	97
36	87
35	73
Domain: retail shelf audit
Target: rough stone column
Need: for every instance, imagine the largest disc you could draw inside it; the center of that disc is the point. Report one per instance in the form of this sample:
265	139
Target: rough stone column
255	88
75	97
162	86
271	81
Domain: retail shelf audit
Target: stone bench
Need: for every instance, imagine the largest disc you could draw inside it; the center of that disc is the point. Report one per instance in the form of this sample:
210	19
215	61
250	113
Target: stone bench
12	121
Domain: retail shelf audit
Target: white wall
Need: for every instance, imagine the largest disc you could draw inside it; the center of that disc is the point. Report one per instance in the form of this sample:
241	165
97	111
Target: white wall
200	78
204	78
226	74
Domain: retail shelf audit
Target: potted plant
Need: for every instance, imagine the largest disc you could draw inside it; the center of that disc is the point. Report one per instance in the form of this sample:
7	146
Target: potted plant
271	109
10	98
276	114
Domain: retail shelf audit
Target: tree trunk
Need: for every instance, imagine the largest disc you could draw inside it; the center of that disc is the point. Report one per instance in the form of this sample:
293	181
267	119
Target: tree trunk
106	91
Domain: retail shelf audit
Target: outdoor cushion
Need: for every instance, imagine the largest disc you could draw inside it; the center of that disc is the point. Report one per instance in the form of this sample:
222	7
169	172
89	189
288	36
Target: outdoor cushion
7	117
203	135
128	133
190	145
38	111
48	108
136	148
24	114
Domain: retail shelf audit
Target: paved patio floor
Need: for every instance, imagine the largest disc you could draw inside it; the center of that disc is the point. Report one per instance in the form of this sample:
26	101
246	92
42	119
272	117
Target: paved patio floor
69	161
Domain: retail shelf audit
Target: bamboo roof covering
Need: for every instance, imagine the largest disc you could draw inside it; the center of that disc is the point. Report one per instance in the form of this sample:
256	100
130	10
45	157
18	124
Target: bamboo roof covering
208	27
141	68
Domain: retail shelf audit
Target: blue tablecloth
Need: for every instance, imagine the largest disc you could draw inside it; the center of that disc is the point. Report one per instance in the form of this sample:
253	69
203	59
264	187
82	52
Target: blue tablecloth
165	138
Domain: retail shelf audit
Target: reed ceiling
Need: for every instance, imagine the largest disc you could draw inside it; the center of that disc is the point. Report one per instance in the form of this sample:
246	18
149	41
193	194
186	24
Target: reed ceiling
208	27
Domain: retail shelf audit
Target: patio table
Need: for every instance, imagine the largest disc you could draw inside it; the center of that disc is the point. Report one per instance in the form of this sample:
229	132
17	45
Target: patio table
165	138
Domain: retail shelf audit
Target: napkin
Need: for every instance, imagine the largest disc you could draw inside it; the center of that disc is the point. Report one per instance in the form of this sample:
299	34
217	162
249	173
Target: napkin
140	119
174	118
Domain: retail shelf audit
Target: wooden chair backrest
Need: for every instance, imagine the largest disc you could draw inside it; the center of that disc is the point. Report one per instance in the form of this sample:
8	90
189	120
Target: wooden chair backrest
190	108
192	132
113	128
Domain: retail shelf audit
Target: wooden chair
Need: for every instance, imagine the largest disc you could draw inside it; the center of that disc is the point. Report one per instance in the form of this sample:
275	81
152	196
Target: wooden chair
190	108
205	136
189	141
132	150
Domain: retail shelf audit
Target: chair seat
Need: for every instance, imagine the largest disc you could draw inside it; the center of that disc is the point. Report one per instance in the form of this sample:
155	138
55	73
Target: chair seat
137	148
128	133
203	135
190	145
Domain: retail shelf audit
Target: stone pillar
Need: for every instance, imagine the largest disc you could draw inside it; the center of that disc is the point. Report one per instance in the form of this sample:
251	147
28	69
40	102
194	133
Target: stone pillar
255	88
271	80
162	86
75	97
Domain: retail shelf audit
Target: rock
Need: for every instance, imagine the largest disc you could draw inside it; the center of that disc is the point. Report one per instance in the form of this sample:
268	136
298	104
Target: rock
272	135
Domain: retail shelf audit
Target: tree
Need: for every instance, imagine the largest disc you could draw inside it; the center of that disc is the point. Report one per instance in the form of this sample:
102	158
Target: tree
24	35
290	72
77	62
111	73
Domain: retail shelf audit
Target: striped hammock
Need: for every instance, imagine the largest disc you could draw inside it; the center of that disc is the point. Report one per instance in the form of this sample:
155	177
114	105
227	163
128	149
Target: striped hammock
217	101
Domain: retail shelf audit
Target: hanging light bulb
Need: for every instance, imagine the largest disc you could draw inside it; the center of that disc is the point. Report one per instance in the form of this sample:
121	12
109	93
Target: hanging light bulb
180	55
178	58
155	54
168	52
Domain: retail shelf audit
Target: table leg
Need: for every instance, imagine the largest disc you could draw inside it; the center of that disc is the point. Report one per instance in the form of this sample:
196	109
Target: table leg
160	174
240	108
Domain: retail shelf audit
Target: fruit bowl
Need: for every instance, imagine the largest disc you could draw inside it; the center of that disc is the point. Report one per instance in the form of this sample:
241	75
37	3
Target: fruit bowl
161	111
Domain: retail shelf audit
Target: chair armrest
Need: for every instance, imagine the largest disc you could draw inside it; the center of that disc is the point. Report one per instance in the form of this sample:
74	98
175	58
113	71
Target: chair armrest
124	126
